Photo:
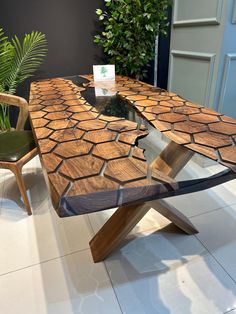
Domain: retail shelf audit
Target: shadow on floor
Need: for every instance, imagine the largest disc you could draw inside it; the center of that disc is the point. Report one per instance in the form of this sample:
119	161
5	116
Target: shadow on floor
36	191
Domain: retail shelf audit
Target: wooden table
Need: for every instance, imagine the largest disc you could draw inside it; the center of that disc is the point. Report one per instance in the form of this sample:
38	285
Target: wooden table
93	161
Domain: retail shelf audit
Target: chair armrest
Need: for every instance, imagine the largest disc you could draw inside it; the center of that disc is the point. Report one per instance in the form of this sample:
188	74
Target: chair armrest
20	102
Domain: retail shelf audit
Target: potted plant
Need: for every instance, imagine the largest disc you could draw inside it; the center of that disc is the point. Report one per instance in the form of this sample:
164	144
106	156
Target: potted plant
129	31
18	61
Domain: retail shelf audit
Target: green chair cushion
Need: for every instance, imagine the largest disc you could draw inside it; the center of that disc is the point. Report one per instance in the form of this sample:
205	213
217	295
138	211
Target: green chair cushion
15	144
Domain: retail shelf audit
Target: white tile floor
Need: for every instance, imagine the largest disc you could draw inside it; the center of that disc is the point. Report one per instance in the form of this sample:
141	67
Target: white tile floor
46	265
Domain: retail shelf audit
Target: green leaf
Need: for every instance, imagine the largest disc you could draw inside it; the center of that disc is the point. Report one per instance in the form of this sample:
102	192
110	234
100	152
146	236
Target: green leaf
98	11
18	61
129	30
28	56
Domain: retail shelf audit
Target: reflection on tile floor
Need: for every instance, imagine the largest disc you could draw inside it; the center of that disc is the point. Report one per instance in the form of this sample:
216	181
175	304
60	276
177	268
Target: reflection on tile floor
46	266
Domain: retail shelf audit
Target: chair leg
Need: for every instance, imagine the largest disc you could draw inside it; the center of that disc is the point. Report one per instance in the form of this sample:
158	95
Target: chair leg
21	185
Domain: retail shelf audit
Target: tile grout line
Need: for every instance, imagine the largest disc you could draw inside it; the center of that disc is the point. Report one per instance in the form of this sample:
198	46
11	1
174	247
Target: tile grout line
211	211
228	312
112	286
215	260
44	262
106	270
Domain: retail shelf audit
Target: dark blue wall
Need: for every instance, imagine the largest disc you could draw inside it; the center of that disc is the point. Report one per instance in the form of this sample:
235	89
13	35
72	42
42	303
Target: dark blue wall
69	26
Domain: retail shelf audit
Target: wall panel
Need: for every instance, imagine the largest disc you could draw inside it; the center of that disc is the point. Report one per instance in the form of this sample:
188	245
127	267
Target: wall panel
227	102
200	12
191	75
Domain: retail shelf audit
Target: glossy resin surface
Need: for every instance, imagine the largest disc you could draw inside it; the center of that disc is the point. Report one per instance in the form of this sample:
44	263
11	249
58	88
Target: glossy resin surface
97	141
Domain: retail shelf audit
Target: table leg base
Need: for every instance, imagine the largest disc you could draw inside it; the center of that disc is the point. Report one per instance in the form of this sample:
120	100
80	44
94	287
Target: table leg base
175	216
172	159
119	225
116	229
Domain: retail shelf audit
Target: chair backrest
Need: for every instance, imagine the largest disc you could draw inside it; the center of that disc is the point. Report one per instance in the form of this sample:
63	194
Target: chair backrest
20	102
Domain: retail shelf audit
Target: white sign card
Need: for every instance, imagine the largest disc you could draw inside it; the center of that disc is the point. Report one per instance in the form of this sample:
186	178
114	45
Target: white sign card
104	72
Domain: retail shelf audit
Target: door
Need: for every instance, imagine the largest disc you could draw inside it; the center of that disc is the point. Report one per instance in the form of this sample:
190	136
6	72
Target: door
196	38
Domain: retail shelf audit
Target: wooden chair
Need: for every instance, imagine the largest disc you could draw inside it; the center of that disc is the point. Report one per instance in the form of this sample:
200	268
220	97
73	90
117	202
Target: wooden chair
17	147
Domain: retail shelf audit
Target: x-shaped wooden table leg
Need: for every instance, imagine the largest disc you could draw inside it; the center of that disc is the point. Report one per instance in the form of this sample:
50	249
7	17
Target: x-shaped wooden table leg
170	162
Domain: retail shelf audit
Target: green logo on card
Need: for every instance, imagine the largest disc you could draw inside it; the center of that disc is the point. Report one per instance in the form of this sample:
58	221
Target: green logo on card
104	71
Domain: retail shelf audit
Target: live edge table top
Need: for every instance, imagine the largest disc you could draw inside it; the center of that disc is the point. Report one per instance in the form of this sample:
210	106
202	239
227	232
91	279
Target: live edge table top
93	162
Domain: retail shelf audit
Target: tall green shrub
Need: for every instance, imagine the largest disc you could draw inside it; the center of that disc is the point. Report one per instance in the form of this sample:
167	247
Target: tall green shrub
129	31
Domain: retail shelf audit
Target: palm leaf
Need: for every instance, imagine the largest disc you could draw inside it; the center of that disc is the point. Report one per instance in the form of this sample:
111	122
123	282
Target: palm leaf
27	58
6	58
17	63
2	39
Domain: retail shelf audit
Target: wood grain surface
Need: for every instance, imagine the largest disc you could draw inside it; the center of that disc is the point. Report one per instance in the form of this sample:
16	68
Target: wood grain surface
85	152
